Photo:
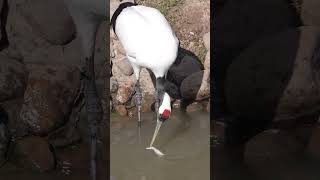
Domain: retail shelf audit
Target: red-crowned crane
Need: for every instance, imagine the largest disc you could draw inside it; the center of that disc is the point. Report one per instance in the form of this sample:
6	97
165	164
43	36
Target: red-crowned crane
149	42
87	16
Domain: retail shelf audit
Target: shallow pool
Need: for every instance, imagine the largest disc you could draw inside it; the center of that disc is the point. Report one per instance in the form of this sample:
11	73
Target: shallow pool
184	139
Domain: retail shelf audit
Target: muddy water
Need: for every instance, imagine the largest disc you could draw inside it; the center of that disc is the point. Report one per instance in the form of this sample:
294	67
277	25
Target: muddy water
184	139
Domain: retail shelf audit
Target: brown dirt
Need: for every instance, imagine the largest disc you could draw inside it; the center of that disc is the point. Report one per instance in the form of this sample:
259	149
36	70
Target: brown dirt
190	19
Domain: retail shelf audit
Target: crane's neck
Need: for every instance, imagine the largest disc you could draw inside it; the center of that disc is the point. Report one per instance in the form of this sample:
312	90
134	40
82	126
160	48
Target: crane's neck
163	99
160	88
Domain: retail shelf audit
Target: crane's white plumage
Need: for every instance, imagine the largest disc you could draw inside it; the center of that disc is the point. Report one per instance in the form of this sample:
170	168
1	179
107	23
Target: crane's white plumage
149	42
147	39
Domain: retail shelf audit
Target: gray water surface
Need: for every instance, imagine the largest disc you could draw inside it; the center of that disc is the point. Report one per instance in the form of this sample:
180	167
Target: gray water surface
184	139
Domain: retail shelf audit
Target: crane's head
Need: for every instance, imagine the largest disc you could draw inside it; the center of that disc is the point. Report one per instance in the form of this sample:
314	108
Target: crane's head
165	107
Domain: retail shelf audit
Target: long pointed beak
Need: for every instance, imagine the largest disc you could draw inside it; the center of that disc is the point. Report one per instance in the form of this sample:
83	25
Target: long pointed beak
156	131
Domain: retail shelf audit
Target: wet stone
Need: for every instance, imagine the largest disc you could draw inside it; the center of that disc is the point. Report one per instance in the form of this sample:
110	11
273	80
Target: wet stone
204	90
4	139
183	67
13	78
206	40
49	97
125	67
57	28
190	85
64	136
310	14
147	102
34	153
194	107
282	84
176	104
207	61
121	110
14	123
132	112
271	148
124	93
113	85
208	106
234	35
314	146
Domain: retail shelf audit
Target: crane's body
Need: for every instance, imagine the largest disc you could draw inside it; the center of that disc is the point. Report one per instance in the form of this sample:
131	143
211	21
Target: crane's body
149	43
147	38
88	15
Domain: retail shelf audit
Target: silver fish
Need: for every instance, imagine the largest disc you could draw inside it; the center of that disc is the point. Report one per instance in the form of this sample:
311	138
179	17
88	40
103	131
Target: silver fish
157	151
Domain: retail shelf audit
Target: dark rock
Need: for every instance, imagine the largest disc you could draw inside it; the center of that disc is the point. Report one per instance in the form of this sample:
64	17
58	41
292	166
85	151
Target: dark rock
64	136
219	129
15	124
24	43
240	23
173	90
186	64
3	36
217	6
57	28
49	97
34	153
13	78
190	87
73	157
271	150
4	135
147	102
310	14
208	106
194	107
76	160
100	55
314	146
3	115
277	78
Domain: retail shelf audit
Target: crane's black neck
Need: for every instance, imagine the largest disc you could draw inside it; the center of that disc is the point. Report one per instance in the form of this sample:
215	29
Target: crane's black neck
160	87
118	11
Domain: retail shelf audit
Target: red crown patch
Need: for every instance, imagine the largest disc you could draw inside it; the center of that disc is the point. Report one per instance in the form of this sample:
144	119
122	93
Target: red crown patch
166	114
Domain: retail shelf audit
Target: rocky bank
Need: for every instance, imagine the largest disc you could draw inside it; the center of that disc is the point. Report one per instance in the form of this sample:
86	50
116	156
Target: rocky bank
40	78
188	79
